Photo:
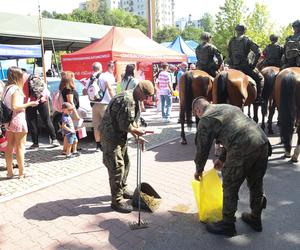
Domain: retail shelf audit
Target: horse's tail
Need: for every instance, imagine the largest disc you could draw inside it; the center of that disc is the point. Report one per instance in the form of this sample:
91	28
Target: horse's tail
188	91
269	83
287	110
222	87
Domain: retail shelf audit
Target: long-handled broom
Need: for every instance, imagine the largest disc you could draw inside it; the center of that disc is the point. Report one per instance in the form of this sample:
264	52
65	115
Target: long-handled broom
140	223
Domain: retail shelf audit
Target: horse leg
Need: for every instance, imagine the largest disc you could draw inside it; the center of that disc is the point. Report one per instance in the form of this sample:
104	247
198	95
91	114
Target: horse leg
297	149
255	111
182	118
264	109
270	117
218	149
249	111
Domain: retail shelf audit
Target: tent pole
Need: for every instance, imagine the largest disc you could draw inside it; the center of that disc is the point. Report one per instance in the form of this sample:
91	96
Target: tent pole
43	55
42	42
55	59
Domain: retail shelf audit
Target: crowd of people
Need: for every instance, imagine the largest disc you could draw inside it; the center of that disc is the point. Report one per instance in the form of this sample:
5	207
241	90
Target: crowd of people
245	146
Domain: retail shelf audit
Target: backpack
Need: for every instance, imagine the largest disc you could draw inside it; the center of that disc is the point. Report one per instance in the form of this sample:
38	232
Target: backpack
5	112
94	92
57	101
36	86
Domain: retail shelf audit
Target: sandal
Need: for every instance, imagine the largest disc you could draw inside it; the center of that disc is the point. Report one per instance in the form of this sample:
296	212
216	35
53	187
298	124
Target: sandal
22	176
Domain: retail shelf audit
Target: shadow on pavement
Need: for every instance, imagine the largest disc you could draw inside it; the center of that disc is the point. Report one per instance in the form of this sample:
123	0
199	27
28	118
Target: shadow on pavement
179	152
68	207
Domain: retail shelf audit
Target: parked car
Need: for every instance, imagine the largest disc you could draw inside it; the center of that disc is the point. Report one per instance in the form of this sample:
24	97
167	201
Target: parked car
84	111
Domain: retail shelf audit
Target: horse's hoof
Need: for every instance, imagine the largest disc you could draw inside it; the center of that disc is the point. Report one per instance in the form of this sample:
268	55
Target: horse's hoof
287	155
183	142
271	132
294	160
255	119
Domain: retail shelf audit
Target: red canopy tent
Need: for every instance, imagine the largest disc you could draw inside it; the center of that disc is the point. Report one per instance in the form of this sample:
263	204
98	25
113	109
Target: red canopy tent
121	45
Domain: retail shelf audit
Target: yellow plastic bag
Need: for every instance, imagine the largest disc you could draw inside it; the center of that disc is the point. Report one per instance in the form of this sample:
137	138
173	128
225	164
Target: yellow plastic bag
209	196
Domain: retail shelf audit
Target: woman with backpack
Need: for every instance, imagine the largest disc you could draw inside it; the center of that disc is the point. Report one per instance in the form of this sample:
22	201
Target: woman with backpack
128	81
35	89
16	133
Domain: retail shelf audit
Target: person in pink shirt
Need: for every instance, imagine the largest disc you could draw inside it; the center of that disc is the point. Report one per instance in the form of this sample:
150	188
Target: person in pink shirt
165	92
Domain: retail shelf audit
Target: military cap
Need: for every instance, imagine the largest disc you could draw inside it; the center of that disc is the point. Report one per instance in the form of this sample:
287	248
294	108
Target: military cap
205	36
273	38
67	105
240	27
147	87
296	24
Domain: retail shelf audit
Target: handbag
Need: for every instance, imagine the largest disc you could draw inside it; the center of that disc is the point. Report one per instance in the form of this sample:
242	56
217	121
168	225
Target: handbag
5	112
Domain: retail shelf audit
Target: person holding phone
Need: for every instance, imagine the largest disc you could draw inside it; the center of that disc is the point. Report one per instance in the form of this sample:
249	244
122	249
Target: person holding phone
16	129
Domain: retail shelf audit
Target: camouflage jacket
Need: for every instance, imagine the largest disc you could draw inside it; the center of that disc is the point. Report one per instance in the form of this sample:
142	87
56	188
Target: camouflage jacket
239	49
121	114
238	134
292	47
273	53
205	53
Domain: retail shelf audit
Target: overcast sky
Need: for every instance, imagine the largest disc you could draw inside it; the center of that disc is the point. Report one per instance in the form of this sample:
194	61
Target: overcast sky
281	12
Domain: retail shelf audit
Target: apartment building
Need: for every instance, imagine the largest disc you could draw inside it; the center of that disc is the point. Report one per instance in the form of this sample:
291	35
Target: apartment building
162	10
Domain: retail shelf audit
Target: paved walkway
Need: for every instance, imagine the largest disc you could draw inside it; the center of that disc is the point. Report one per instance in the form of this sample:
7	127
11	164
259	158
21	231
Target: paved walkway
76	214
47	166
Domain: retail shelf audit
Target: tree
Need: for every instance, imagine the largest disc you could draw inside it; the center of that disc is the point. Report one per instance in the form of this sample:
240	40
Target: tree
166	34
121	18
258	25
117	17
229	15
191	33
207	22
284	33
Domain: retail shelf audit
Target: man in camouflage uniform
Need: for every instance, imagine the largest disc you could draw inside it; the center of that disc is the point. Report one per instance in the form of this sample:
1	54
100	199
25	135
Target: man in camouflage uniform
273	53
238	51
291	56
205	53
121	117
245	155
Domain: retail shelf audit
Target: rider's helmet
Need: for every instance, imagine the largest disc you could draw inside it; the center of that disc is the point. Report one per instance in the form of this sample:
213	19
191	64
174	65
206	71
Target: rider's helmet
240	28
273	38
296	24
205	36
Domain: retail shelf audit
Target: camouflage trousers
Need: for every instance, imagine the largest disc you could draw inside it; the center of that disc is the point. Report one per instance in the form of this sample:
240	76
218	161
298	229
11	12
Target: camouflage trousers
293	62
236	169
116	160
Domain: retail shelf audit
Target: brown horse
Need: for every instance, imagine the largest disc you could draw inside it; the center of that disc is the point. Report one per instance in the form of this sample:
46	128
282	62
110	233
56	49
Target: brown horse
269	74
234	87
192	84
287	100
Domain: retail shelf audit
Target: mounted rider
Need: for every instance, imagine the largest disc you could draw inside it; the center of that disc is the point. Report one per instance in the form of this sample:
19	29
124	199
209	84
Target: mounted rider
291	56
239	53
206	52
273	53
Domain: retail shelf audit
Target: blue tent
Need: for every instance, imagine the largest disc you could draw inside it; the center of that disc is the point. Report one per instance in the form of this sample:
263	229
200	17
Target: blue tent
180	46
8	51
192	44
166	44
